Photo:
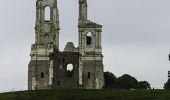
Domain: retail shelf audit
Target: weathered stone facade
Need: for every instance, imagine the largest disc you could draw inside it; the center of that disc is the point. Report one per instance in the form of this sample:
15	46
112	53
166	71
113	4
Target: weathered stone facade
48	67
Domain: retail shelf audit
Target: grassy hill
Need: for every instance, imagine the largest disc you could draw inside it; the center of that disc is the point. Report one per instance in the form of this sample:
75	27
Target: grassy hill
87	95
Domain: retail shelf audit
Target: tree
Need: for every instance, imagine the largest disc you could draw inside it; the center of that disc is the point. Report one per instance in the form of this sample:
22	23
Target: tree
126	82
167	85
109	79
143	85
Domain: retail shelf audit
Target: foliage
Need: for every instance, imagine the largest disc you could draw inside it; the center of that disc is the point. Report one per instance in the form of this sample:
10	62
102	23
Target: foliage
167	85
109	79
124	82
143	85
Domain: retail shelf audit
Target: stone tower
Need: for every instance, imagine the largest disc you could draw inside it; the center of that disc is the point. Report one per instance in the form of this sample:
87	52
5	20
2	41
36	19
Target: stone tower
40	72
91	60
49	67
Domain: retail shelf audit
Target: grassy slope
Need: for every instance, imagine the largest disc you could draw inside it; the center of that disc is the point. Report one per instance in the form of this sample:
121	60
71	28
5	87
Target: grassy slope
88	95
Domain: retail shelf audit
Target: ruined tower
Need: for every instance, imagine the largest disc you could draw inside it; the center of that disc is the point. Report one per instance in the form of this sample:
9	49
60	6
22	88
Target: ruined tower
91	60
49	67
40	72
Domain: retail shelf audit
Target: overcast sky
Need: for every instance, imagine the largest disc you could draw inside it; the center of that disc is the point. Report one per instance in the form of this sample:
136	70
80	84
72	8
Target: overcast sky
135	38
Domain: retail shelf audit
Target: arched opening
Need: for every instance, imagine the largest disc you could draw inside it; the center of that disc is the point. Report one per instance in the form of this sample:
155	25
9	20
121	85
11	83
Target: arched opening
47	15
42	75
58	83
88	75
69	67
69	70
89	38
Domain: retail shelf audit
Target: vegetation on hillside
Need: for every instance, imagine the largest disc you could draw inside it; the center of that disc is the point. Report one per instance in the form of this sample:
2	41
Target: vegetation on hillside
124	87
106	94
124	82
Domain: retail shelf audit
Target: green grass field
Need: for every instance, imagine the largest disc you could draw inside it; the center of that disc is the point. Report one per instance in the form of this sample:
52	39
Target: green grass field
87	95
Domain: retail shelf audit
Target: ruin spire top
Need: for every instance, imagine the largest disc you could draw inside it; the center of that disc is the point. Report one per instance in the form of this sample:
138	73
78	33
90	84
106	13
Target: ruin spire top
82	10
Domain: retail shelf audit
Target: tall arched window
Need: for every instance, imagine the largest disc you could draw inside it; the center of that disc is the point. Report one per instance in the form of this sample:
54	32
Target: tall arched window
42	75
89	38
88	75
58	83
47	15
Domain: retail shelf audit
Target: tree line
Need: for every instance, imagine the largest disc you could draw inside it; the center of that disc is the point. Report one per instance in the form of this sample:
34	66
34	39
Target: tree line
127	82
124	82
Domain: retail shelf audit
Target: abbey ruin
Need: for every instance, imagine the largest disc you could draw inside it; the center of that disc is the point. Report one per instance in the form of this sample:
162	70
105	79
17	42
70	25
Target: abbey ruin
48	67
